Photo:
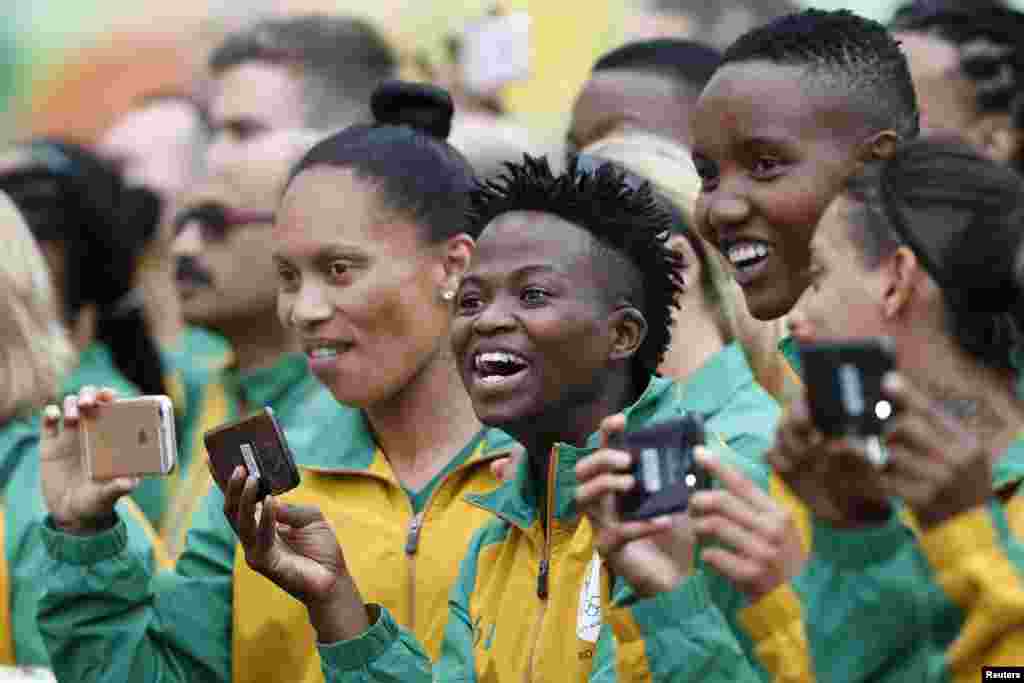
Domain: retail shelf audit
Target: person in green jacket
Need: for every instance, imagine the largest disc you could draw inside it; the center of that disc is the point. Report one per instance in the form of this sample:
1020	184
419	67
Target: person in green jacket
92	229
35	353
370	297
893	263
561	320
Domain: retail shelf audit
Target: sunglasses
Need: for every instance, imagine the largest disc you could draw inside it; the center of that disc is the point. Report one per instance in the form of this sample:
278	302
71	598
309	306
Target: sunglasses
216	221
591	164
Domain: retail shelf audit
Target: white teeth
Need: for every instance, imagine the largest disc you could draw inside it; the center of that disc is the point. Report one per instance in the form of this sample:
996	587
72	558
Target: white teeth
498	357
324	352
746	251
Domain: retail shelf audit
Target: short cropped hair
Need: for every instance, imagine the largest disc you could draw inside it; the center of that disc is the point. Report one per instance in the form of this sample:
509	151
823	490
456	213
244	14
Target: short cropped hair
628	224
34	349
342	59
845	53
684	62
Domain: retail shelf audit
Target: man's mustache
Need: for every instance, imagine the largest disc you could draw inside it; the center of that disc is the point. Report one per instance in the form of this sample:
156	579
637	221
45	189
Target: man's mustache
189	271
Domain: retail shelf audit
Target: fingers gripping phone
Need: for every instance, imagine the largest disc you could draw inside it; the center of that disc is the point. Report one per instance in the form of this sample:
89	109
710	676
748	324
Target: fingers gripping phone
131	437
844	389
258	444
664	467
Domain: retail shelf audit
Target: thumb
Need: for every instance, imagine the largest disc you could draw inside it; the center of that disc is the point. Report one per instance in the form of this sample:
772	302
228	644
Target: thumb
296	516
611	426
111	491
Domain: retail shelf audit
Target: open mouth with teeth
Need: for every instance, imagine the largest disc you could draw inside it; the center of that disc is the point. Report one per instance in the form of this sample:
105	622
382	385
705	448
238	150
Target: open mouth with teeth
324	354
497	367
747	258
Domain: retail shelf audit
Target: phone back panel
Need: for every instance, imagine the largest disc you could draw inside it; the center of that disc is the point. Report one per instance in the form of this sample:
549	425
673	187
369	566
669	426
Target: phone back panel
258	444
129	438
844	385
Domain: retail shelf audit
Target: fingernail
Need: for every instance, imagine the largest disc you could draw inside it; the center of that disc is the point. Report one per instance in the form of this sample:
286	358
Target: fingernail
891	381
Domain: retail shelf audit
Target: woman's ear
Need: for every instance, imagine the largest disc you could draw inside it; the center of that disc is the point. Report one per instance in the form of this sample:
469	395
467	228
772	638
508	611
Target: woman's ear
457	253
879	146
629	329
997	138
902	275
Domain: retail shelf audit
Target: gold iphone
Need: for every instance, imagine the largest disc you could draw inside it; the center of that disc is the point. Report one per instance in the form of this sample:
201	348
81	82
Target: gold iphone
131	437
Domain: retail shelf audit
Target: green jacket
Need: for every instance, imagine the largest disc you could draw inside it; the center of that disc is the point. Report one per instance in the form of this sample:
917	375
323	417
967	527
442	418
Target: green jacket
24	553
530	599
178	625
872	606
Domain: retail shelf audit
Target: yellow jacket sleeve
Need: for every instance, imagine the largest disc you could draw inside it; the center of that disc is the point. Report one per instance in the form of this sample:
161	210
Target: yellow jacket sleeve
973	567
775	624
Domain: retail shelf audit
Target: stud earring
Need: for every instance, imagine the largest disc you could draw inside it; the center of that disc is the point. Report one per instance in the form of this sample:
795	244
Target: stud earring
448	295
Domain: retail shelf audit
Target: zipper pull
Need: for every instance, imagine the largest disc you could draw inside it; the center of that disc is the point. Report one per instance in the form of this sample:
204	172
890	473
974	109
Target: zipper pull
412	540
542	580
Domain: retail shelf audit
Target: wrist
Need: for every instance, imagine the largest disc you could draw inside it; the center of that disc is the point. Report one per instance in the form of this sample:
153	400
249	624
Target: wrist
341	616
89	526
864	513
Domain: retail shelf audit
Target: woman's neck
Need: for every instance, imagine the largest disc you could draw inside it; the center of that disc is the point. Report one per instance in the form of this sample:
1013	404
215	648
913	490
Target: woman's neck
696	338
575	425
982	399
421	428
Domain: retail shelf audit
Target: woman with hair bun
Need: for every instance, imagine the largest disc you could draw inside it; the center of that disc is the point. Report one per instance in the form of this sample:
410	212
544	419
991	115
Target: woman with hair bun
371	241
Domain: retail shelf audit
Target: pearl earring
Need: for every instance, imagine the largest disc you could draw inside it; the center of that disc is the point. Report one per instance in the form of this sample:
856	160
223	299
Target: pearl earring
448	295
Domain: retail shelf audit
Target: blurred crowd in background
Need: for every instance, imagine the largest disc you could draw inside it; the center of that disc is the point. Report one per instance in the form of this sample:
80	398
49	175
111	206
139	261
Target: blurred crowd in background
54	52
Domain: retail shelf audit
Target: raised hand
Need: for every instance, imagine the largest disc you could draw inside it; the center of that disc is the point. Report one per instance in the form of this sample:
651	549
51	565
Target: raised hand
76	503
762	548
297	549
653	556
935	465
834	477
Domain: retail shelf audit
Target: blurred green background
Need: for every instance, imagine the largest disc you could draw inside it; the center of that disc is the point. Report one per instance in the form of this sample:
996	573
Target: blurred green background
38	40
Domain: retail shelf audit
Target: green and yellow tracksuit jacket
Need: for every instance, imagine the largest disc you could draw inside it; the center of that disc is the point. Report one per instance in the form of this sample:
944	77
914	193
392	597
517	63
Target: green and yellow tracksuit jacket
532	600
107	617
194	372
887	603
22	510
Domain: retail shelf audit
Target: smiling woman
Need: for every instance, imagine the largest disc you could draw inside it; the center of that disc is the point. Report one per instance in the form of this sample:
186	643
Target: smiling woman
561	319
369	242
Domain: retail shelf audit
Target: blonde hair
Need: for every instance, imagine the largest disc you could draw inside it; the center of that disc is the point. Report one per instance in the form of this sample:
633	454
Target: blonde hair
34	348
668	167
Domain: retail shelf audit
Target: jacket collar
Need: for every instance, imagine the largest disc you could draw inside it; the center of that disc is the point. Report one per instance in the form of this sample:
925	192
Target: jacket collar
714	384
268	386
790	348
518	501
346	444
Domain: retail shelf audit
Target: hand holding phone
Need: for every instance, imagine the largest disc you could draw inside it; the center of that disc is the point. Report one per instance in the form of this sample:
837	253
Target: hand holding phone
844	389
258	444
652	555
664	467
129	438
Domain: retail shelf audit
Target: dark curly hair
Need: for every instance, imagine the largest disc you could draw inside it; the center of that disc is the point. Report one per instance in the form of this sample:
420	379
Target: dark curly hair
990	38
842	51
629	226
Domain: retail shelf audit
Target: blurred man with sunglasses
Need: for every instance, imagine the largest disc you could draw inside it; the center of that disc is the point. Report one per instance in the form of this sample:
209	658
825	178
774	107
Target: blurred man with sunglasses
275	88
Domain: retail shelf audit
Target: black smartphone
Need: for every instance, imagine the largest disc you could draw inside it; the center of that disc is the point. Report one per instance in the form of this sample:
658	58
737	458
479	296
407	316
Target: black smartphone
258	443
664	467
844	385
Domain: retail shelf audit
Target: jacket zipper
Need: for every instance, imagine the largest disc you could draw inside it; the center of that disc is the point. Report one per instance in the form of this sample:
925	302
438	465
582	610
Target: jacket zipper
543	575
412	539
412	543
